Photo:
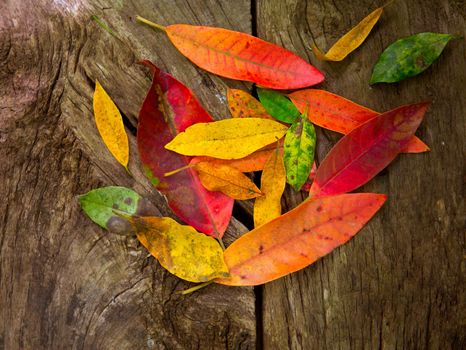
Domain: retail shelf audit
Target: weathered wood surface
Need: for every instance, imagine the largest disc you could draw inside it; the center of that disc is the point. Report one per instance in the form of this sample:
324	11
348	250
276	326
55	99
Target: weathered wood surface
64	283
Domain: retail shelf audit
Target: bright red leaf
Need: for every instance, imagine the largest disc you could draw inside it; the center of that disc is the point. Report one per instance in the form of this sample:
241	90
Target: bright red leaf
168	109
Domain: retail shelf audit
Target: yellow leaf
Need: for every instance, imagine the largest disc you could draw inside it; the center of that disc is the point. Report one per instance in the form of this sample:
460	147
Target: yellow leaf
227	139
180	249
244	105
110	125
268	207
228	180
351	40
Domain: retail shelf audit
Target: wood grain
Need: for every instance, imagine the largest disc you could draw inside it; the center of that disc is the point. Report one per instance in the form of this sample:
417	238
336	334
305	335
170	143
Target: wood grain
399	283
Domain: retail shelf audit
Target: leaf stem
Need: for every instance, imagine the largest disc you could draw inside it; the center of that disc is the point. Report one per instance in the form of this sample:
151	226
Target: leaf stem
103	25
195	288
173	172
221	243
150	23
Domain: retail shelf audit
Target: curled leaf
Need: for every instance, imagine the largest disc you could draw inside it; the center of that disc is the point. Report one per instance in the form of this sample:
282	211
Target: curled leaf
339	114
102	203
278	105
408	57
300	142
273	180
110	125
298	238
351	40
366	150
227	139
244	105
227	180
180	249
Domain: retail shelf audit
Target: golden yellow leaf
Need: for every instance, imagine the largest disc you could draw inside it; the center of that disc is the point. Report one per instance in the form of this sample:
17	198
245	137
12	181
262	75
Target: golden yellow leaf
351	40
227	139
180	249
273	180
226	179
110	125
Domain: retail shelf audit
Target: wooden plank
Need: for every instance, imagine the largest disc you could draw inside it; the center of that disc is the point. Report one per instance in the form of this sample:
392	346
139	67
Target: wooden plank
65	283
400	283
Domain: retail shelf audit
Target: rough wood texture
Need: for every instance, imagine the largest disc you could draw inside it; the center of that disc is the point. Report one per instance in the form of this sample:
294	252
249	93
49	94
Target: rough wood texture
400	283
66	284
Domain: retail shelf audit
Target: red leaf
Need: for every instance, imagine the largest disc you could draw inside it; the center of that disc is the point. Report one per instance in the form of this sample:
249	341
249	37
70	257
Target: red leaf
241	56
366	150
339	114
168	109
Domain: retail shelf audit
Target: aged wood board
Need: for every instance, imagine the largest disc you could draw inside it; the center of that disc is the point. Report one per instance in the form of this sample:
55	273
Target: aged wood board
67	284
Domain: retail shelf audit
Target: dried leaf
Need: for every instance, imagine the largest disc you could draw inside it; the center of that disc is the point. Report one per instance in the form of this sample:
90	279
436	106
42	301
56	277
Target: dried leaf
408	57
228	180
110	125
227	139
339	114
100	205
300	143
366	150
169	108
180	249
278	105
273	180
244	105
298	238
241	56
351	40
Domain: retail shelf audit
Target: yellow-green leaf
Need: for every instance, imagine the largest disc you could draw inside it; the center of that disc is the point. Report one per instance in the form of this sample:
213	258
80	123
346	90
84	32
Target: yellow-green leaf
110	125
273	180
227	139
351	40
226	179
180	249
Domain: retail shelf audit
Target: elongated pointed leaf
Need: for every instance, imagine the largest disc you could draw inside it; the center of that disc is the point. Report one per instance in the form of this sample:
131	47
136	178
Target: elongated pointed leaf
100	205
169	108
273	181
408	57
180	249
300	143
298	238
228	180
278	105
244	105
227	139
366	150
253	162
339	114
241	56
110	125
351	40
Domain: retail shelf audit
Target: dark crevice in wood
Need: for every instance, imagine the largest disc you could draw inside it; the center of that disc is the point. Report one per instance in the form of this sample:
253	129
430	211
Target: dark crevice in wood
243	216
258	290
128	124
254	17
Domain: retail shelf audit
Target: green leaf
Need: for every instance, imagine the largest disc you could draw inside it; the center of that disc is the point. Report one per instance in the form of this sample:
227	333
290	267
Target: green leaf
408	57
300	142
102	203
278	105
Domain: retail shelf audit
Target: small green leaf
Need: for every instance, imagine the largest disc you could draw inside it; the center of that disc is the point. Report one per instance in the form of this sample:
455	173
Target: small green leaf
102	203
300	142
408	57
278	105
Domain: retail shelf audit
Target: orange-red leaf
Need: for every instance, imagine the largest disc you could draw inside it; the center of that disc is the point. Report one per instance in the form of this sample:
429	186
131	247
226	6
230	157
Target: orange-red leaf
298	238
366	150
241	56
339	114
244	105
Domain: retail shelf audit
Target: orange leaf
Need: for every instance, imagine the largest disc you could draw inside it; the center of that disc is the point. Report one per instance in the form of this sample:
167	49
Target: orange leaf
298	238
339	114
244	105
